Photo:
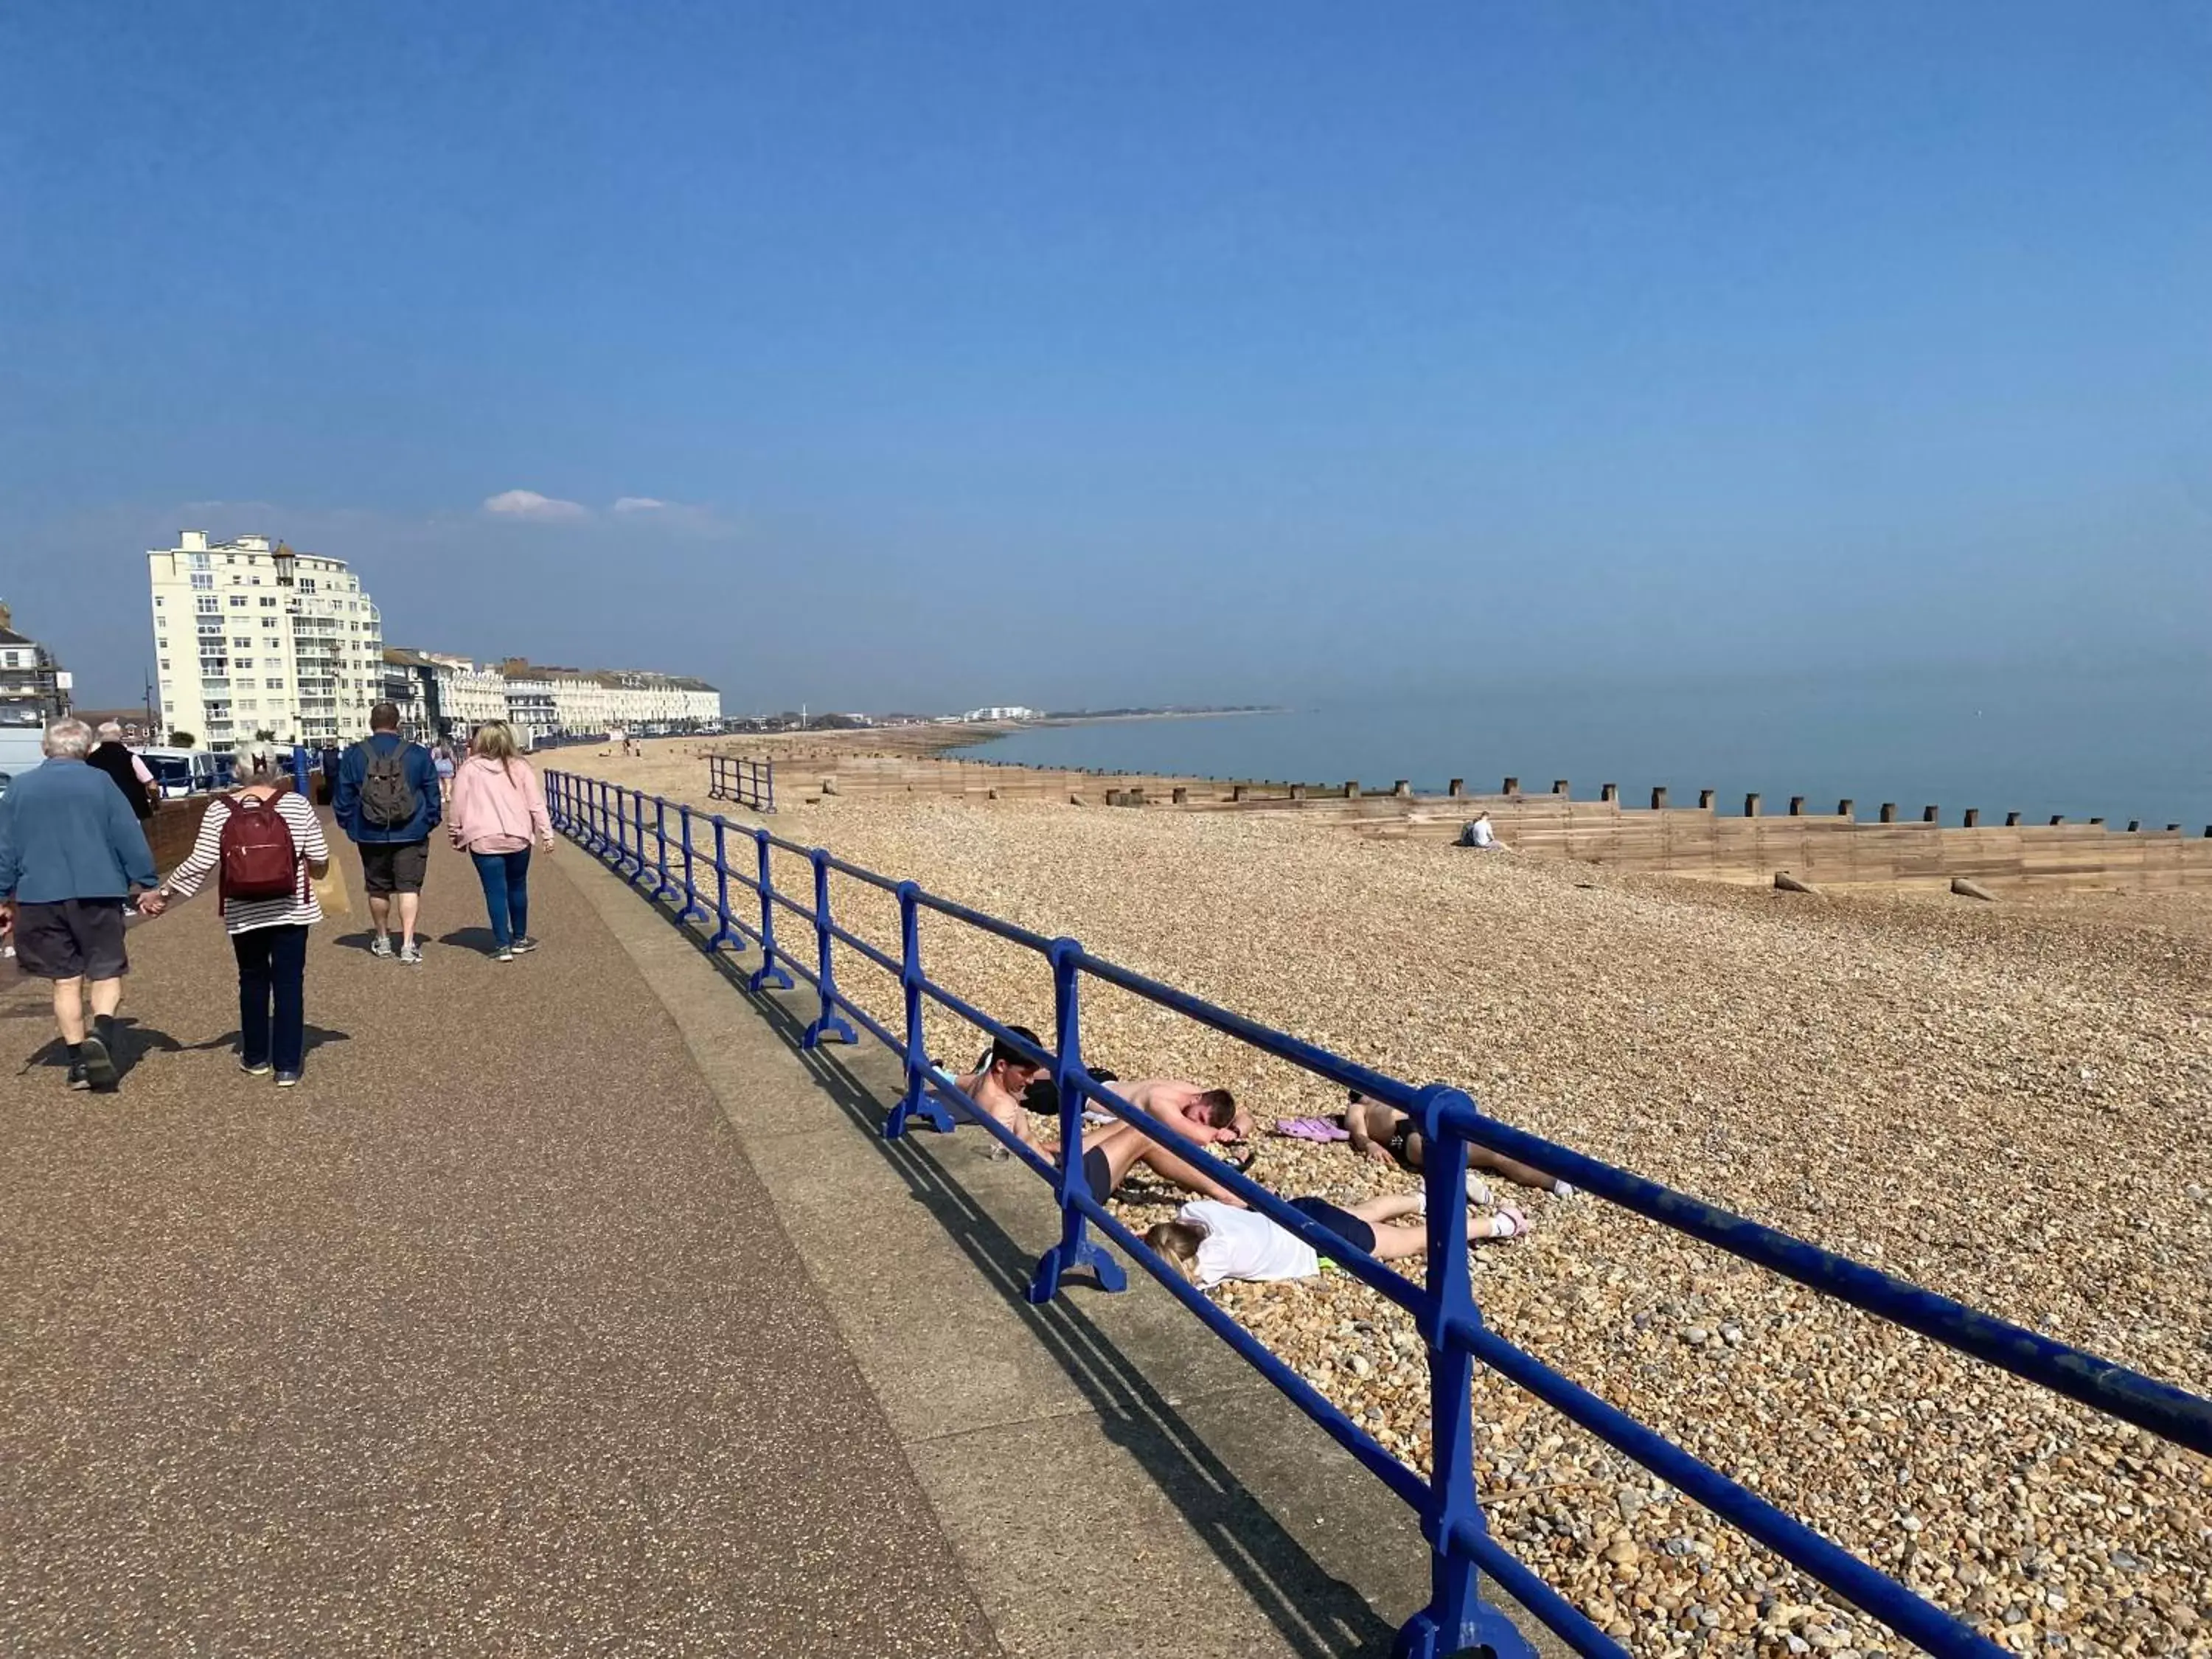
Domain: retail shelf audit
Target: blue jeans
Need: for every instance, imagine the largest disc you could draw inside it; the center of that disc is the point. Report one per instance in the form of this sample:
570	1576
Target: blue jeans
506	877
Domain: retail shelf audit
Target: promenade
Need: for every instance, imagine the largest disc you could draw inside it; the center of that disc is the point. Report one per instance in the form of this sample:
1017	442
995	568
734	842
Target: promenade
567	1308
486	1339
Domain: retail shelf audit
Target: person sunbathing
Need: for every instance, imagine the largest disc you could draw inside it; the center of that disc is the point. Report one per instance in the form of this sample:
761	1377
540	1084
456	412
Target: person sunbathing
1390	1136
1003	1075
1211	1243
1110	1150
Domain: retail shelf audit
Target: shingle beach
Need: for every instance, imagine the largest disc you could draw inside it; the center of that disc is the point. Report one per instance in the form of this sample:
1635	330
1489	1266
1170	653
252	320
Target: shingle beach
2008	1103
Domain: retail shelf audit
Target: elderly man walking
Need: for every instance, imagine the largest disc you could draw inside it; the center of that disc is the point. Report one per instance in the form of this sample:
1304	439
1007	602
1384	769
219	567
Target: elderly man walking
70	852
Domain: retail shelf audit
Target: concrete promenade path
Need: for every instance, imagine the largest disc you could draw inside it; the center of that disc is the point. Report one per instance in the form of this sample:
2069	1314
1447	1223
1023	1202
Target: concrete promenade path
488	1338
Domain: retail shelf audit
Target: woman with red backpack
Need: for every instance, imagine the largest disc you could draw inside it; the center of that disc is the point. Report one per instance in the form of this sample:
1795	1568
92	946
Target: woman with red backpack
267	846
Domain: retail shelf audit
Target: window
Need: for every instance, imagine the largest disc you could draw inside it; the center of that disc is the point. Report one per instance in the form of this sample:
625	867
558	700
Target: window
201	578
157	602
239	600
243	662
207	604
196	561
165	665
268	602
307	585
273	686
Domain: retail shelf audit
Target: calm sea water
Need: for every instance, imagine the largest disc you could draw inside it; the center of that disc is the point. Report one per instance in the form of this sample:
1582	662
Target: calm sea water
2116	746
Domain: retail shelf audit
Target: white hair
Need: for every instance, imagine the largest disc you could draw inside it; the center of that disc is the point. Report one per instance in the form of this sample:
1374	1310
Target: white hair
68	739
111	731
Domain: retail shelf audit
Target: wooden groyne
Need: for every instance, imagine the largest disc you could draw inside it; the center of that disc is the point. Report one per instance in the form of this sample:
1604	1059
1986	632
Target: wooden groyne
1656	835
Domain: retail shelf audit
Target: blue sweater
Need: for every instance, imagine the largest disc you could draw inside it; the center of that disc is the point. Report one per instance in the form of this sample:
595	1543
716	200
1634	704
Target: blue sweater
353	772
66	832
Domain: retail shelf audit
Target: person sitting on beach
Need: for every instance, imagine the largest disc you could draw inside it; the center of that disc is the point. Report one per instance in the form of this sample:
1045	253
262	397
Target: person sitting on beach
1211	1242
1478	834
1110	1150
1002	1076
1390	1136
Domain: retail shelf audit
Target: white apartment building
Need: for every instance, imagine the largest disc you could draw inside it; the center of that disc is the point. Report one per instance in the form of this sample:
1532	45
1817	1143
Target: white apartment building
530	707
250	636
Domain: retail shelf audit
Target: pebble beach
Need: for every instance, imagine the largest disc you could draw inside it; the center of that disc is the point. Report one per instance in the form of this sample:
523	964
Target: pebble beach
2006	1102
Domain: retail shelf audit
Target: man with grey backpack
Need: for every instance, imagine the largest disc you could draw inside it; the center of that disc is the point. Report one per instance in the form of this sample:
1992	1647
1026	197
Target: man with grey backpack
387	805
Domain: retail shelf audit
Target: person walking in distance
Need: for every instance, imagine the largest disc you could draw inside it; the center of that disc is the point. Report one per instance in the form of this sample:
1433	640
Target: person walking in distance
442	757
70	852
387	805
266	845
131	774
499	808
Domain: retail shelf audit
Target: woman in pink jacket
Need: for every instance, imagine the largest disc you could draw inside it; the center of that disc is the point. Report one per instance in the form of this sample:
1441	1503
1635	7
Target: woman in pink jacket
499	808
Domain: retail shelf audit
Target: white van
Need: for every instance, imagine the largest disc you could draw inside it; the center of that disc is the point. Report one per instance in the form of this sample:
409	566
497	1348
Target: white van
188	771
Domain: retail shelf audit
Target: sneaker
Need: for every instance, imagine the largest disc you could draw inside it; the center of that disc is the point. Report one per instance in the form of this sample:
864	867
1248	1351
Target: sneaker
380	945
99	1064
261	1070
503	953
78	1079
524	946
287	1080
410	955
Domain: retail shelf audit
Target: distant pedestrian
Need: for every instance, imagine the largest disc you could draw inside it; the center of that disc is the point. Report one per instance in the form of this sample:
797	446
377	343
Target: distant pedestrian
131	774
267	846
499	807
388	803
70	852
443	758
331	758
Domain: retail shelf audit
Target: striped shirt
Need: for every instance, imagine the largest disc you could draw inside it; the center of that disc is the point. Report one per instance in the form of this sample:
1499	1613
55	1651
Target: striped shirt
297	908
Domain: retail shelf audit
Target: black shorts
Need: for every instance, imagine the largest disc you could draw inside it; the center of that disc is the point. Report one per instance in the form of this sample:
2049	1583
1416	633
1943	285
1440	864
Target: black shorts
1344	1225
1099	1173
393	866
72	938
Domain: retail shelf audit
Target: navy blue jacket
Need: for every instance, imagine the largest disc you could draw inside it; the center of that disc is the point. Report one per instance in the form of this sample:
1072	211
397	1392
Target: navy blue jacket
66	832
353	772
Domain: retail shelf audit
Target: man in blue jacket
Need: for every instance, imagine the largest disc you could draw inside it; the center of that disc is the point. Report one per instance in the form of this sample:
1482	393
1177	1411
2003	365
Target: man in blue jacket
387	805
70	852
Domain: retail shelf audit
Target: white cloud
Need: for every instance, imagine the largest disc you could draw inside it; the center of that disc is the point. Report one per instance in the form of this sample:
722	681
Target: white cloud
529	504
638	504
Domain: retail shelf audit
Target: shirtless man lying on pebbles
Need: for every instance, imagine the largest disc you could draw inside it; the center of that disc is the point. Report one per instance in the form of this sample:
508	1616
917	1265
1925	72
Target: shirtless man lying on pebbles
1113	1147
1389	1136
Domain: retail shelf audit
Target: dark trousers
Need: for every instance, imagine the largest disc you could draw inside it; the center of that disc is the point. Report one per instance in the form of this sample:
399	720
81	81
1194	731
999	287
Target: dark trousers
272	972
506	877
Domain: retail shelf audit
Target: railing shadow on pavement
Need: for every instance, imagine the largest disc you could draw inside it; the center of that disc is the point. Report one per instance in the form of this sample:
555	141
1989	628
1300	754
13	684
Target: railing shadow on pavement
650	842
1317	1615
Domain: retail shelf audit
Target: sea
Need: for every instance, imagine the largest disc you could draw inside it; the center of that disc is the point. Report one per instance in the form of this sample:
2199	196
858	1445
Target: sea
2120	744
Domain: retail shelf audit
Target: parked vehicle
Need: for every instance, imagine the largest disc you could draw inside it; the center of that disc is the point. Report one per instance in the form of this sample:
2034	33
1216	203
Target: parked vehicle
188	771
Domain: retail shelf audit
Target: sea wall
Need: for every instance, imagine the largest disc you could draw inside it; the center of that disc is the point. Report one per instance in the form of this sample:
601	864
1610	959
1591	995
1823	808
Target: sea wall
1660	837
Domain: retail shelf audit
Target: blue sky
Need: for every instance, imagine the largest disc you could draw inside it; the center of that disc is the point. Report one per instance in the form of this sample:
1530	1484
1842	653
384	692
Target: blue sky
983	352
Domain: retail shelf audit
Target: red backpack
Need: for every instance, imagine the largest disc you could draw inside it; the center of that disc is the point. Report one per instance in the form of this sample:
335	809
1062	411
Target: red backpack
259	858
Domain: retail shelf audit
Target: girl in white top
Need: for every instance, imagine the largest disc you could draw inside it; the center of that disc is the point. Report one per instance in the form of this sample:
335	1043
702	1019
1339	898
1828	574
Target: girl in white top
1212	1241
269	936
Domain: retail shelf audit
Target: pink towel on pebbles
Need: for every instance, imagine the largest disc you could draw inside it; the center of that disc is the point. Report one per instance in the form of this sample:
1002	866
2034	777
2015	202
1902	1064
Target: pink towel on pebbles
1312	1128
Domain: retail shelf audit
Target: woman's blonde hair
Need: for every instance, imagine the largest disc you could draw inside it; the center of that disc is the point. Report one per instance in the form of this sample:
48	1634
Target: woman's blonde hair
494	740
1178	1241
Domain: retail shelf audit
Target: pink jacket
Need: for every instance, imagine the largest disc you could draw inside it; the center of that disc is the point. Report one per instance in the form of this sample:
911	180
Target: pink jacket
493	802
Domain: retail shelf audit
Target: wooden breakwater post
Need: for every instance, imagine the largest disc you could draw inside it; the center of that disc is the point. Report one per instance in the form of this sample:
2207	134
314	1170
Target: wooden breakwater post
1512	786
1559	788
1456	788
1658	797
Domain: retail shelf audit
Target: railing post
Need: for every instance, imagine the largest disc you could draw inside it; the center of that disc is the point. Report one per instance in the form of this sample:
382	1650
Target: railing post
1457	1619
768	785
769	972
638	862
1075	1250
725	933
829	1022
663	885
714	777
691	906
916	1100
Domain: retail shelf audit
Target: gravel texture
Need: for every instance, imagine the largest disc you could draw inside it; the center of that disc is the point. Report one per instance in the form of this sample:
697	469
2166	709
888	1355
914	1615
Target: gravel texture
2006	1102
484	1339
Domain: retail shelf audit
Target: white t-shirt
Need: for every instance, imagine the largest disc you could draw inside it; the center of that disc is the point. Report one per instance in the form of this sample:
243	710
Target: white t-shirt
1484	836
1244	1244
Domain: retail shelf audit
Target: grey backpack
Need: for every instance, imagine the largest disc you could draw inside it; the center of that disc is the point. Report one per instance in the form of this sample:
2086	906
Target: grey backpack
387	799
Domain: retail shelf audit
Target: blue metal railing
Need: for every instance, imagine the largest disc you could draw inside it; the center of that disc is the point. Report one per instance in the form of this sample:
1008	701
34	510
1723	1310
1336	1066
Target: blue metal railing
748	782
630	831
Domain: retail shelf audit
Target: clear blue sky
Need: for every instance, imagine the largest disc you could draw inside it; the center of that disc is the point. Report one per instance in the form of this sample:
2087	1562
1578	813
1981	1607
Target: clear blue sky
1131	352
